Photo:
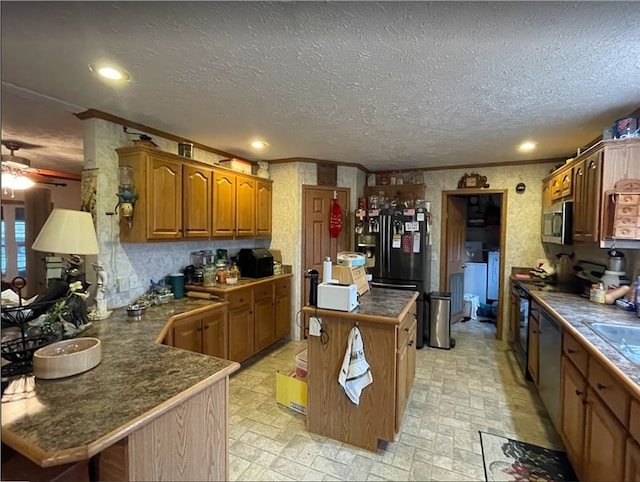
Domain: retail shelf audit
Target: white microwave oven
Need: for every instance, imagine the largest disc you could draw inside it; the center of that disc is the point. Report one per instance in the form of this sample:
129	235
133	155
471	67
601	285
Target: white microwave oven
557	223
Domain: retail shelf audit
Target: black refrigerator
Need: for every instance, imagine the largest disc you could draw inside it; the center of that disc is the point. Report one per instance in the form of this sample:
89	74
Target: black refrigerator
403	255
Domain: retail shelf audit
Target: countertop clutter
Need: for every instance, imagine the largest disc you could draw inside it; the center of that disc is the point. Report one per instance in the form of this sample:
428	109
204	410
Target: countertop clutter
379	305
137	380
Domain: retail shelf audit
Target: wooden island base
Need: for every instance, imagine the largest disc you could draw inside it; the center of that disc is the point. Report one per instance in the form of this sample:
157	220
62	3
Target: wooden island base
390	348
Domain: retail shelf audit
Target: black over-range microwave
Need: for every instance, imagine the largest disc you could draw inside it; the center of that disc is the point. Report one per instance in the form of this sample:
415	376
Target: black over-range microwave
557	223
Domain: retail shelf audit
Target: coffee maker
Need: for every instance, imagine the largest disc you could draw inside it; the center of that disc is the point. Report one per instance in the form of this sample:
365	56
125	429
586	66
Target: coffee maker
615	275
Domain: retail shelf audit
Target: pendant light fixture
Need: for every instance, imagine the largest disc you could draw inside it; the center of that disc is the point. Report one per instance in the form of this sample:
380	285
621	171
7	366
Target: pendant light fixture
15	170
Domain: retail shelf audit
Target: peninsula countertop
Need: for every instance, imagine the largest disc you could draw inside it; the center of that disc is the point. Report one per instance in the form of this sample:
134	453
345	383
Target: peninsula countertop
137	380
378	305
576	312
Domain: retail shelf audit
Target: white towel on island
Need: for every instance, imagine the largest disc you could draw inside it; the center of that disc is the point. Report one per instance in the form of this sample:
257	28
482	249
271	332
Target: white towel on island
355	374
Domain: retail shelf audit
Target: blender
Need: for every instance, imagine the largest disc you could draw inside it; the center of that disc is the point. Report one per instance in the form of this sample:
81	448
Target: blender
615	275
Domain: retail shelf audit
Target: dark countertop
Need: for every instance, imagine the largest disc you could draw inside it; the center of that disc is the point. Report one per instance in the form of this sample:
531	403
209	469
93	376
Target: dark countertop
382	305
135	377
574	311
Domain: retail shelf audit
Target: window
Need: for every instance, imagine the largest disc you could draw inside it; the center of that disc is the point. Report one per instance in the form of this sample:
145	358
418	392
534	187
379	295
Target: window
14	251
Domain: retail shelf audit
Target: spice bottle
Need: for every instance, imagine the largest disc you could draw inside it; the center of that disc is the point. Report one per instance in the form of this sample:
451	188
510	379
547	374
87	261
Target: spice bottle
234	275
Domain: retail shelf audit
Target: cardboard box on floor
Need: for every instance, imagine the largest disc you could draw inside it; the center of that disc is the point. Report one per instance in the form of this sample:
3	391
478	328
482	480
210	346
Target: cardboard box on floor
348	275
291	392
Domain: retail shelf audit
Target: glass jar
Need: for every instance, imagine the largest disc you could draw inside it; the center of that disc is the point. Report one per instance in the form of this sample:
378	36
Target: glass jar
209	275
222	275
234	275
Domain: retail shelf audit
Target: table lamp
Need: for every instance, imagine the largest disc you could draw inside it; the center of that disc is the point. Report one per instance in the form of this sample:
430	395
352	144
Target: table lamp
68	232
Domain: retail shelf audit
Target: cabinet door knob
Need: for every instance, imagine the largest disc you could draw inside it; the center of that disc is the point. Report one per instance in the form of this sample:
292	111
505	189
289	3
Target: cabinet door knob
578	392
199	328
570	351
206	327
407	330
584	402
601	386
410	342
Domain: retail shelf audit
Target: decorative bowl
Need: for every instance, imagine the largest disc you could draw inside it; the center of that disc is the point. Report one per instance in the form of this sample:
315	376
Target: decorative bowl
67	357
136	310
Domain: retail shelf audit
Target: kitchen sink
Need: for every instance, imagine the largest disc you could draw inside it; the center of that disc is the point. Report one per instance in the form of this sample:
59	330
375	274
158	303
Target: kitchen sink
624	338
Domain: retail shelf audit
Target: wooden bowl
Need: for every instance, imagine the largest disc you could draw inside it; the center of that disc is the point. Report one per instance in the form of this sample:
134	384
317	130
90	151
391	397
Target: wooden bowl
66	358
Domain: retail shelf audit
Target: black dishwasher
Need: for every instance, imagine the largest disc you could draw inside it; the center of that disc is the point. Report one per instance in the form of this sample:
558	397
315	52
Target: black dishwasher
549	370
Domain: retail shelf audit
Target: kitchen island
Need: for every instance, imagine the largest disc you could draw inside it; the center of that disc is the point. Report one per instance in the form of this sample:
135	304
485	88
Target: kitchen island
386	319
151	411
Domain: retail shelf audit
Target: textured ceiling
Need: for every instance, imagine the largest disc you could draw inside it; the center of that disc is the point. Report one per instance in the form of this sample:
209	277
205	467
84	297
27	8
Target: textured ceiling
387	84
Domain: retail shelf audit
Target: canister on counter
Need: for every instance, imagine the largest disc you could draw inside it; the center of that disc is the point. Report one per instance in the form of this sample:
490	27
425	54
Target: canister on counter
209	275
597	293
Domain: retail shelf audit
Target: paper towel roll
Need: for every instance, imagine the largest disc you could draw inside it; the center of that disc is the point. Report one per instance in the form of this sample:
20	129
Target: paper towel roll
326	270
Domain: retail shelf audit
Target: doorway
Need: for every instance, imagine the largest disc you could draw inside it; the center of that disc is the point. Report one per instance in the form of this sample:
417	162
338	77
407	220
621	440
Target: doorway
472	252
317	243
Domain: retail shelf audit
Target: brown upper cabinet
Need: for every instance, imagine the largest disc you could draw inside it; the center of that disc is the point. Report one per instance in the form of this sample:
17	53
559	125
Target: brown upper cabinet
562	184
587	181
234	204
263	209
183	199
586	206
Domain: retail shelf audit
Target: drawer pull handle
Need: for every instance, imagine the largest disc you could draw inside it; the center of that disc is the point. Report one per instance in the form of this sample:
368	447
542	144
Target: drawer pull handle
570	351
601	386
578	392
584	402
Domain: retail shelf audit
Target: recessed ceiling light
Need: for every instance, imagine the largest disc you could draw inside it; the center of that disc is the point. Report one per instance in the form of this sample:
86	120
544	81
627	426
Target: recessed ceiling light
527	146
259	144
110	72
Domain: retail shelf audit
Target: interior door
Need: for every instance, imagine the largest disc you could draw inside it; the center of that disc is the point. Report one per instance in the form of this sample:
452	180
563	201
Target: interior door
454	252
317	244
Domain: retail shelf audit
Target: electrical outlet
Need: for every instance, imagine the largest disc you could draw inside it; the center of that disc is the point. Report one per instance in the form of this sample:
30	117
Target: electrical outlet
123	284
133	282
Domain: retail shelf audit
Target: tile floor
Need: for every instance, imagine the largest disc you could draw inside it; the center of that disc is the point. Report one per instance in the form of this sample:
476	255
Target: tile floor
476	386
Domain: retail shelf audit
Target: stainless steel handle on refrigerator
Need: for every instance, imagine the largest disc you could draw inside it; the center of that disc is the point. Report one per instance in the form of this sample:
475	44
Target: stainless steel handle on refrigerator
387	261
389	285
383	244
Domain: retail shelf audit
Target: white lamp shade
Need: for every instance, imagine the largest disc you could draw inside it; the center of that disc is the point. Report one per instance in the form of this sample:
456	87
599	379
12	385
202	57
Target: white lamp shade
67	232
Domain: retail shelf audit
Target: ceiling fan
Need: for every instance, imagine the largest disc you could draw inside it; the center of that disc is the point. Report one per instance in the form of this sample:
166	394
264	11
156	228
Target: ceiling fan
17	173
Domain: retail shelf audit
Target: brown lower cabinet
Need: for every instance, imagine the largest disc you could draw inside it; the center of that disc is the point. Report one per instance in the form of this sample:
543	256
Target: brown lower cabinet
597	423
604	442
632	461
259	314
241	321
203	333
574	393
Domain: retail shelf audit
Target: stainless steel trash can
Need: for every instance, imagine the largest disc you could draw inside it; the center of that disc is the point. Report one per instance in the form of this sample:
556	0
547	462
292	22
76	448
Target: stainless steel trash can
440	321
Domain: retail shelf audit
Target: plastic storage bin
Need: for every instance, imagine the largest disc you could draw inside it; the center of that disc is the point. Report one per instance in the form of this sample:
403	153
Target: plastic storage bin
301	364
